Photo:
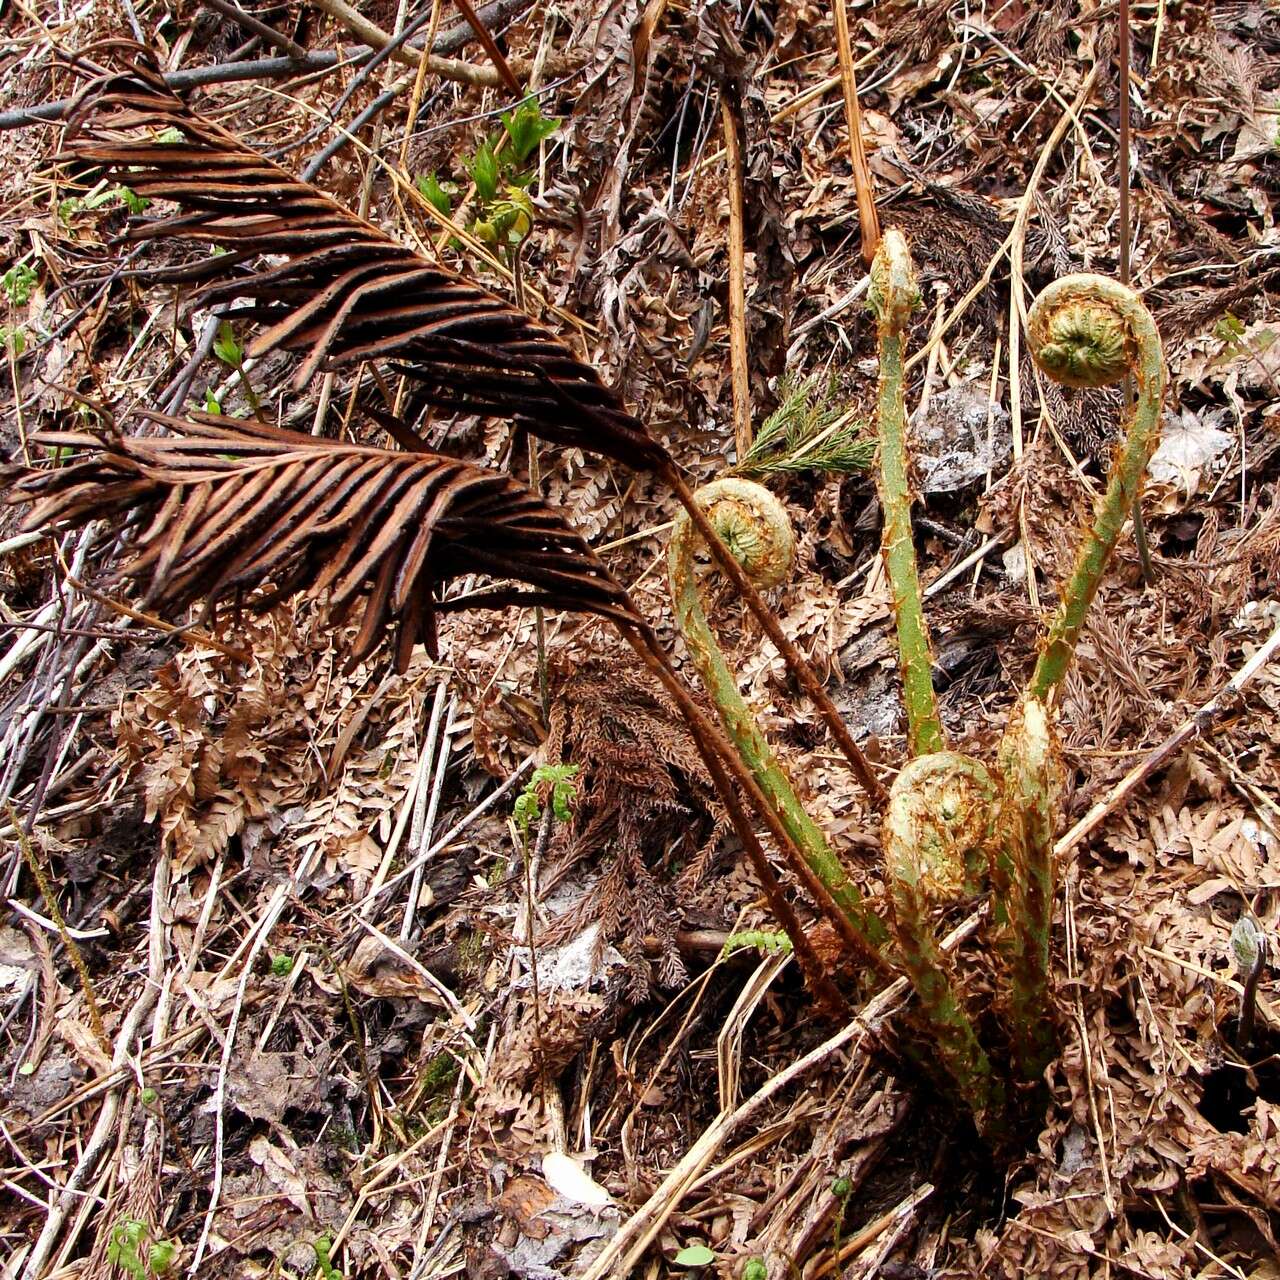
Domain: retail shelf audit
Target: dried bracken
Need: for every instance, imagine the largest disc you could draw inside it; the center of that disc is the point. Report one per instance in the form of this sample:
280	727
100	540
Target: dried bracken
346	291
225	508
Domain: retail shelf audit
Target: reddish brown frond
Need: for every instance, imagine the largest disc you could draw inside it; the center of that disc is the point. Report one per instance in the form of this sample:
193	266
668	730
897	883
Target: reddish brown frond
232	510
346	291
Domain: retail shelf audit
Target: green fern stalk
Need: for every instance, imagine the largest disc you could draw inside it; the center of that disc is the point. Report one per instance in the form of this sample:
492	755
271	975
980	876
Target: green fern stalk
752	523
936	835
1088	331
894	296
1031	774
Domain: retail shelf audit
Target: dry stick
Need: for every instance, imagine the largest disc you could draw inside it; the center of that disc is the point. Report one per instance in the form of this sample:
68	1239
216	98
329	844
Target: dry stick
1124	59
1189	729
51	901
737	283
798	664
423	829
868	219
104	1131
260	934
638	1232
898	1216
486	39
258	27
446	68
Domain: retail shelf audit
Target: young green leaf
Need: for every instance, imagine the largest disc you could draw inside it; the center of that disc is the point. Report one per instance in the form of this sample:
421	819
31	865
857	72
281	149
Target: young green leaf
694	1255
438	197
526	126
18	282
225	346
485	171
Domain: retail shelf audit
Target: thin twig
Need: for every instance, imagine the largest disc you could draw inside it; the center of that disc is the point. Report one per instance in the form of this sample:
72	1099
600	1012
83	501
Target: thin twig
737	281
868	219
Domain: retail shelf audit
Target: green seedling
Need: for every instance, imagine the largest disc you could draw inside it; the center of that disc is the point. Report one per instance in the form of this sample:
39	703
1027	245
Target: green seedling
13	338
528	807
324	1267
125	1250
439	197
227	348
281	966
527	128
485	173
18	282
504	213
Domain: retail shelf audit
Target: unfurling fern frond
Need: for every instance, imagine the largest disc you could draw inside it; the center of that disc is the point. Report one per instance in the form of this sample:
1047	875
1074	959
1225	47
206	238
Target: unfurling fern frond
230	510
345	291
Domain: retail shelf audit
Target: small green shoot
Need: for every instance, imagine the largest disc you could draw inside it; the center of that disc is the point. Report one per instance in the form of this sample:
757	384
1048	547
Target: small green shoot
504	213
754	1269
99	198
125	1250
485	173
761	939
170	136
148	1096
528	807
439	197
211	402
13	338
281	966
227	347
18	283
323	1247
526	128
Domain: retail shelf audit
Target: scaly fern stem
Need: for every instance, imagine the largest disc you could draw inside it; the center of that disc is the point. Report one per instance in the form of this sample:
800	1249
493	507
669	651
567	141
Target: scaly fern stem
936	836
1088	331
759	521
1032	779
894	296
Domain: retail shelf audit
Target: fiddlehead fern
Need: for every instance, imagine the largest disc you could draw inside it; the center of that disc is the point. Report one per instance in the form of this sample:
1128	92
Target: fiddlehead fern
936	836
753	524
1088	331
938	827
1085	331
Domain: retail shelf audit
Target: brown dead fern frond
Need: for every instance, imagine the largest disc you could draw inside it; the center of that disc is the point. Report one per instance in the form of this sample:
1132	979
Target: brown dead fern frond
232	510
345	291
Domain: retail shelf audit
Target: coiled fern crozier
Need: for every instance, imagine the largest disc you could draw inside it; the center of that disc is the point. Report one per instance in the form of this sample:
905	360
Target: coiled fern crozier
952	828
